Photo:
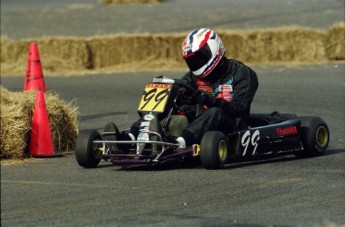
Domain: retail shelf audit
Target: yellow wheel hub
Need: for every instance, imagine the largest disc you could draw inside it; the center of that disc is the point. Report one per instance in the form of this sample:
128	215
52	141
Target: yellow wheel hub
322	136
223	150
97	150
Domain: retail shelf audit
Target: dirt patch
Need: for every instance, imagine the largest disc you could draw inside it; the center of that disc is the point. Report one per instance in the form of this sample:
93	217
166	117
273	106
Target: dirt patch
16	116
153	52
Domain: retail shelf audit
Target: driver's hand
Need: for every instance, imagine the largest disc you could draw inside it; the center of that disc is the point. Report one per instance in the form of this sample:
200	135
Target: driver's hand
201	97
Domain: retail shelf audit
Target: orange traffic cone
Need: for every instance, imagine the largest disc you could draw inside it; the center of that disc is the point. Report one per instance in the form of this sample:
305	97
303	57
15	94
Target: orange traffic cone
34	79
41	141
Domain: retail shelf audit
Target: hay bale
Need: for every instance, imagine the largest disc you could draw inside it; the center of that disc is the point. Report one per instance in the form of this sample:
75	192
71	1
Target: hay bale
142	52
290	44
59	55
134	49
335	42
234	43
16	116
64	54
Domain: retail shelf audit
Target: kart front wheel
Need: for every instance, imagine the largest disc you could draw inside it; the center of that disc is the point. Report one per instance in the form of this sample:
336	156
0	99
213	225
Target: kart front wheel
314	136
213	150
88	155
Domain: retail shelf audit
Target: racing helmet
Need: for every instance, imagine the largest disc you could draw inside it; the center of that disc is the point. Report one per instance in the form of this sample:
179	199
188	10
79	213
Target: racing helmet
202	50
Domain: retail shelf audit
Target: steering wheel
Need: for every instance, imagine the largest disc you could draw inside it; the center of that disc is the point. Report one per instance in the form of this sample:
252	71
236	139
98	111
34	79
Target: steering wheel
189	89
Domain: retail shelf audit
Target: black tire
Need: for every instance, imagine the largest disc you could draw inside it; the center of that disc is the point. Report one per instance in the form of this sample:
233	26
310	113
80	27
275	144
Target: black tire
314	136
87	154
213	150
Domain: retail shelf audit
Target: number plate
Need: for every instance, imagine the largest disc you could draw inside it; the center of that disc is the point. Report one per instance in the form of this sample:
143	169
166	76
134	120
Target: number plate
155	97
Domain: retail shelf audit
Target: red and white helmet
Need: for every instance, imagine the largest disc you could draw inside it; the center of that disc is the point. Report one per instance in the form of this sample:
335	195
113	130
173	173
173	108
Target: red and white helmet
202	50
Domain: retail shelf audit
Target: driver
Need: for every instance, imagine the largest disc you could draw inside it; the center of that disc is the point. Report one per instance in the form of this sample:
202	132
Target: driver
224	87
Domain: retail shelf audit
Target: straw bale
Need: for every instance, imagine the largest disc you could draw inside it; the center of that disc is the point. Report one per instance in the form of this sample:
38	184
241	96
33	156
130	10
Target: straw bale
63	122
234	43
335	42
58	55
17	110
16	114
134	48
68	53
275	45
142	52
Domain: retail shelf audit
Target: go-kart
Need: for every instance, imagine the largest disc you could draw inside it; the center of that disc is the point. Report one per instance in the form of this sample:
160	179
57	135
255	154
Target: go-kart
266	135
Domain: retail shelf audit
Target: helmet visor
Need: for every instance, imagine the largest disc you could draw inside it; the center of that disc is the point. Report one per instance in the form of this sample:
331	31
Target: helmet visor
199	58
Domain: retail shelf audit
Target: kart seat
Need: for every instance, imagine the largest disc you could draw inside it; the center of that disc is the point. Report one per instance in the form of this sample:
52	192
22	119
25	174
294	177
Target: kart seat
243	122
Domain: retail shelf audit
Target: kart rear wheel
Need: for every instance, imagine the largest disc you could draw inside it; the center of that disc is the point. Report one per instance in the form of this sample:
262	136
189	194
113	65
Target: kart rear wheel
88	155
213	150
314	136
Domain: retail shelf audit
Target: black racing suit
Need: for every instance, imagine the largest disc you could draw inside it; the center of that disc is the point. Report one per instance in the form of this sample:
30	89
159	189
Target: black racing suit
221	114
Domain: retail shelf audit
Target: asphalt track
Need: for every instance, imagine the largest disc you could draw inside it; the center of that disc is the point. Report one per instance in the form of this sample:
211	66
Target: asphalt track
37	18
279	192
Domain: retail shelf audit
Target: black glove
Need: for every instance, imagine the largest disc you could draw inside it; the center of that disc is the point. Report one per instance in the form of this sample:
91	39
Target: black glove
201	97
